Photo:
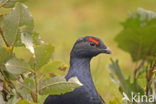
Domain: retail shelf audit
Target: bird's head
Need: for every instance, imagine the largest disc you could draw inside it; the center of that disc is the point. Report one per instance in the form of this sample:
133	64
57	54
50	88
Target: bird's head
89	47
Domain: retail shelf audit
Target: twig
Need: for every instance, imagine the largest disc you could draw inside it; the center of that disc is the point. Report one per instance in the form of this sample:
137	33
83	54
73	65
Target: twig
1	5
144	60
1	32
5	77
35	77
22	76
150	74
10	83
34	97
138	68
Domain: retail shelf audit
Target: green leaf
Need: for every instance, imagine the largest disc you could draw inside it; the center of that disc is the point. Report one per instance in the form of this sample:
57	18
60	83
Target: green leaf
1	77
115	100
29	85
17	66
28	42
138	36
43	54
115	69
23	90
58	85
10	76
141	71
37	39
10	3
42	98
26	87
135	86
5	54
23	102
34	37
51	67
126	86
0	44
18	17
114	79
154	72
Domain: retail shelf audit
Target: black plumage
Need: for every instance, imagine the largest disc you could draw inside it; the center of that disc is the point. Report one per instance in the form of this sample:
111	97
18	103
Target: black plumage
83	51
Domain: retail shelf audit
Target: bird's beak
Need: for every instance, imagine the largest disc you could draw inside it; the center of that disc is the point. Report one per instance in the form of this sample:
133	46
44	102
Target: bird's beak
107	51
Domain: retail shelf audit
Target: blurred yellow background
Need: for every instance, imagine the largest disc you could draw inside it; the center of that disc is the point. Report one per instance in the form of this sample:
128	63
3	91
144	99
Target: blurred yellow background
62	22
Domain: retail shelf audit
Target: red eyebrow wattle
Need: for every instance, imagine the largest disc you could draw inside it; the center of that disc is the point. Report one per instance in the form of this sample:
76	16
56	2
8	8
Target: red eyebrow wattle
94	40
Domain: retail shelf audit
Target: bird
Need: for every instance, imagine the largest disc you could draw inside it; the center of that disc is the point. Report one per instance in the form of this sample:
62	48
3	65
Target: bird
84	49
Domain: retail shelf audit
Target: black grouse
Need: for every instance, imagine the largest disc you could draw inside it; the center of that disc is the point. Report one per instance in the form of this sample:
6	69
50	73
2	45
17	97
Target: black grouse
83	51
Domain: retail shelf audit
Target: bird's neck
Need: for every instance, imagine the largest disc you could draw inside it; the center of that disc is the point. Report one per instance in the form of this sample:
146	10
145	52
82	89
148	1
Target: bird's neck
80	67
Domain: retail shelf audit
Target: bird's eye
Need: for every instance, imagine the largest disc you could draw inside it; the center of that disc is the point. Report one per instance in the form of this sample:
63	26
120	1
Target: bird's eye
92	44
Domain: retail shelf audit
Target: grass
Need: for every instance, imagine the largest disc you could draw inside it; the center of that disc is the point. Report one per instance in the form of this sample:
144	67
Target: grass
62	22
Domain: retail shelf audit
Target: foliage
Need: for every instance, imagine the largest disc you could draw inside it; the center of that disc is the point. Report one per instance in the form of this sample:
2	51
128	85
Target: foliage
22	81
138	38
58	85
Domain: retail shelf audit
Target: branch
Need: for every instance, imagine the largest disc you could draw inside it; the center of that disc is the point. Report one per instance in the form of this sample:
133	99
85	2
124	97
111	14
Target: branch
1	5
144	60
1	32
10	83
138	68
6	78
150	74
33	95
35	77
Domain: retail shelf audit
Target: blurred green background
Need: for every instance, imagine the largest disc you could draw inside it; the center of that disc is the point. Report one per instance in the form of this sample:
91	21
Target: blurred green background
62	22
